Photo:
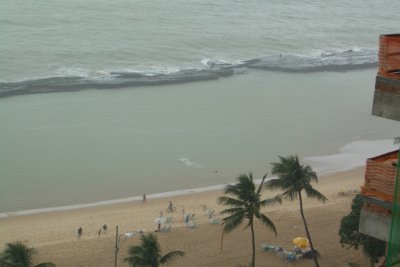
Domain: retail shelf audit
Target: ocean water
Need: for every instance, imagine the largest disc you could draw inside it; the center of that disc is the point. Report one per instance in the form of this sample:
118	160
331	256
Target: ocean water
194	93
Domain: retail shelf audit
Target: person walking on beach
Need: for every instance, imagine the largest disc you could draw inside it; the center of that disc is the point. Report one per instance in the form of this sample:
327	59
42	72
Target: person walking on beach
99	232
105	228
144	198
170	207
80	232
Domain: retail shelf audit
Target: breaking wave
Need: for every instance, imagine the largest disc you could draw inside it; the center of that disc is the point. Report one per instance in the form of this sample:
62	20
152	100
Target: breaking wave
78	79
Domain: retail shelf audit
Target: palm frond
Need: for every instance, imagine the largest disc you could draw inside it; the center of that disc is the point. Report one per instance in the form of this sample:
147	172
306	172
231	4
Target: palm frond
145	254
267	222
261	184
228	201
4	263
136	258
149	253
18	254
233	221
313	193
292	176
290	194
396	140
232	189
246	179
248	224
245	183
271	201
135	261
308	173
275	183
45	264
246	205
136	250
232	211
171	255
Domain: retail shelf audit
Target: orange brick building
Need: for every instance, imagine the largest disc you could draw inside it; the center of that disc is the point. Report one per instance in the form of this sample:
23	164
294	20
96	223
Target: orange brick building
380	216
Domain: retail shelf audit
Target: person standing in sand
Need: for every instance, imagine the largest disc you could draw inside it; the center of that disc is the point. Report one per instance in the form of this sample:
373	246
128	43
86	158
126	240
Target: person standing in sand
80	232
170	207
144	198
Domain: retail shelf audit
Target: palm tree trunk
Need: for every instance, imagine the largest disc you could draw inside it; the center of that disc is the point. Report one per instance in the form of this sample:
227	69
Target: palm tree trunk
116	246
253	259
307	232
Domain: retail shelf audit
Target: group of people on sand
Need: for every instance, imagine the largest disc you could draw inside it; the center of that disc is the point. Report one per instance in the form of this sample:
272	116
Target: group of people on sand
170	208
102	230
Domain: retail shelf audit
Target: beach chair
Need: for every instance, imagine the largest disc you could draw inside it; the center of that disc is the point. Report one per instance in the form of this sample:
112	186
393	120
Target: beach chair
133	233
169	219
210	214
266	247
214	221
130	234
191	225
165	228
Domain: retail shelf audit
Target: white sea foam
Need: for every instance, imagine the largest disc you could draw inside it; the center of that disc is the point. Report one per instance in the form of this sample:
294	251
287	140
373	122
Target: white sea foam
72	72
190	163
351	155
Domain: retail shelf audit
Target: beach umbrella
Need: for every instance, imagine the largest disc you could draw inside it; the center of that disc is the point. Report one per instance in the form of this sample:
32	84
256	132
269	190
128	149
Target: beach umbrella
301	242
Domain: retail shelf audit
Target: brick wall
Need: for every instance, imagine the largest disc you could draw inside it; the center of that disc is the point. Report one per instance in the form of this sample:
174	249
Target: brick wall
379	180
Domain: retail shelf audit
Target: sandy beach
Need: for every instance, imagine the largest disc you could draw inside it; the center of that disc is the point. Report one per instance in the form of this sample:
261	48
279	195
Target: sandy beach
54	233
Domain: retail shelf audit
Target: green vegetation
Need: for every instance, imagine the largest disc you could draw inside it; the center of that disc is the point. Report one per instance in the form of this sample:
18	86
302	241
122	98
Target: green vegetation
19	255
293	178
350	236
149	253
246	204
396	141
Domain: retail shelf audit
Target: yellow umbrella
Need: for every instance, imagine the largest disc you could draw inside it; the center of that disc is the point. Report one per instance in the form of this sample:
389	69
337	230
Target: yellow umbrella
301	242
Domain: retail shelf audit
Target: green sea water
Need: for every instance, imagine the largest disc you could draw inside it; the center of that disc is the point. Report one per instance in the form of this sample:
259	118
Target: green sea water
72	148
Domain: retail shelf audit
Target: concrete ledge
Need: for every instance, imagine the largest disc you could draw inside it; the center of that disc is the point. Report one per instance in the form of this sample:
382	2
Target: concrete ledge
375	225
386	105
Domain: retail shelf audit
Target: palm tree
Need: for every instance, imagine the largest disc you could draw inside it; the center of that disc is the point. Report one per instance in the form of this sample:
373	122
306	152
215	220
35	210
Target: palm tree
19	255
149	253
246	203
396	141
293	178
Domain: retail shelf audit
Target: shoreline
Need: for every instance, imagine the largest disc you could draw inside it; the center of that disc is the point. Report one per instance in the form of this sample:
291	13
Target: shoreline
54	233
114	201
161	195
326	165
